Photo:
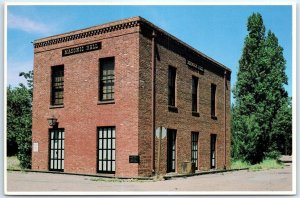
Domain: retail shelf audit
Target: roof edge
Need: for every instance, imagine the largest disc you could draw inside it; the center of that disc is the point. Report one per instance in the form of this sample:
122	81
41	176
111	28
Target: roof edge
108	24
183	43
106	27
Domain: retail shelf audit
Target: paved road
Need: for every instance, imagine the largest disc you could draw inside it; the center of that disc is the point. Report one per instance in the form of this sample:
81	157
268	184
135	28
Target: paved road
267	180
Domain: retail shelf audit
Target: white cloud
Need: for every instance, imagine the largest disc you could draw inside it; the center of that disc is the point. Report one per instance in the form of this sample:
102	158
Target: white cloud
26	24
13	70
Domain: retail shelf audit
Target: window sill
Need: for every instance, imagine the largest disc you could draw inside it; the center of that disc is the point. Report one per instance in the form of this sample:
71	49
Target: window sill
214	117
196	114
173	109
106	102
56	106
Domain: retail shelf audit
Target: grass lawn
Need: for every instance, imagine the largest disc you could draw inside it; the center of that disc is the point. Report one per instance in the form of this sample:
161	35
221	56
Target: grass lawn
267	164
264	165
238	164
13	163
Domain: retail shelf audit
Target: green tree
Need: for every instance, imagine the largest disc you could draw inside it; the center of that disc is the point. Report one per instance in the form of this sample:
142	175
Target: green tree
12	146
259	93
19	100
29	77
273	79
281	135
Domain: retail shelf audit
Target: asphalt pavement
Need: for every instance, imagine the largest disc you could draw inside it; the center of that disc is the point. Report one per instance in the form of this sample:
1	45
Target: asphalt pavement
238	182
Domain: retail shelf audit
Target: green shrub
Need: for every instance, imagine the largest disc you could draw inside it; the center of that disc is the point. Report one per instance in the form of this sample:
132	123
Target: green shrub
273	155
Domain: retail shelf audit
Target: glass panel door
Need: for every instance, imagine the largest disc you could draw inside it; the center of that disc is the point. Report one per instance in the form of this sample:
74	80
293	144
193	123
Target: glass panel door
56	150
195	148
213	138
171	150
106	150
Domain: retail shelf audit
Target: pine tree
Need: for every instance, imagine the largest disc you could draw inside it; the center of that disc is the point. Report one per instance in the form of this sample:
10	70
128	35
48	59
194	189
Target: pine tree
259	93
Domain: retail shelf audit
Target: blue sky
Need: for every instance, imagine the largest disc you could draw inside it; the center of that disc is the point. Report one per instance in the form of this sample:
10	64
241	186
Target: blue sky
217	31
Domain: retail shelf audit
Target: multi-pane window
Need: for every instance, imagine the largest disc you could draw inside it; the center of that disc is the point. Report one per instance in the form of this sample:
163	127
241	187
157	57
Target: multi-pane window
213	100
56	150
107	79
213	139
171	86
106	149
57	94
195	148
194	94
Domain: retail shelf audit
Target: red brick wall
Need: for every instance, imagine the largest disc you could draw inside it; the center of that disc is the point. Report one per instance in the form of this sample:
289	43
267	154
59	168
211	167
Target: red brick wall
183	121
81	114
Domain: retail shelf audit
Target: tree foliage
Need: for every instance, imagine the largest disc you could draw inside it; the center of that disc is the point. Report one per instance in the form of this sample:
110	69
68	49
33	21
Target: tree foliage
19	100
29	77
260	96
282	129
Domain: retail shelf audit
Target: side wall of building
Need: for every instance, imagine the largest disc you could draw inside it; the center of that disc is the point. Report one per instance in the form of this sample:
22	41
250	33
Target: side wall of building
183	121
82	113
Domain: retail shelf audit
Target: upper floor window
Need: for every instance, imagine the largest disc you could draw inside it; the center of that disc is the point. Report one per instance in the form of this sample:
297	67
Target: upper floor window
107	79
213	100
57	85
172	86
194	94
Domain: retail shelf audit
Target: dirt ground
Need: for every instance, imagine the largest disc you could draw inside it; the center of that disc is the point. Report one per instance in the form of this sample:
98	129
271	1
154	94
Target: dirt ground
265	180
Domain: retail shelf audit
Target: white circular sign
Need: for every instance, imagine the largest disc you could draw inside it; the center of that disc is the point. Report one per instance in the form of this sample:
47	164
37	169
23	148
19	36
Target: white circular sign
161	132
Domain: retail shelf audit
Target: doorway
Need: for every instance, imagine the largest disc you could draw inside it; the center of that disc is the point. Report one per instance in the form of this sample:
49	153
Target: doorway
171	150
106	149
56	152
213	138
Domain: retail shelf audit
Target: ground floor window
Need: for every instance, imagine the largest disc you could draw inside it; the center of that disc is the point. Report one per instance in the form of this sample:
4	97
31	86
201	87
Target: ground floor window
171	150
195	148
106	149
56	149
213	138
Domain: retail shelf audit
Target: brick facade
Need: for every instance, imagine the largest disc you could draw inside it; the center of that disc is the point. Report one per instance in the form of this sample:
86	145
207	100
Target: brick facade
129	41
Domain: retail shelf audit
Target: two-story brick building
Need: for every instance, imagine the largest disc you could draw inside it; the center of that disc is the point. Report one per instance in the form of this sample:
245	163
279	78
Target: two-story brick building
102	94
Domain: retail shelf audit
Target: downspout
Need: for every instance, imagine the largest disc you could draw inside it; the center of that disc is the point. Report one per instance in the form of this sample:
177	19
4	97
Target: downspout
225	150
153	100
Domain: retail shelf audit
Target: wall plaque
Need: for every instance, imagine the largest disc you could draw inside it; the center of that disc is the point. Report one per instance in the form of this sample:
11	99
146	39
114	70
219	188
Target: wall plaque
134	159
35	147
81	49
194	66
